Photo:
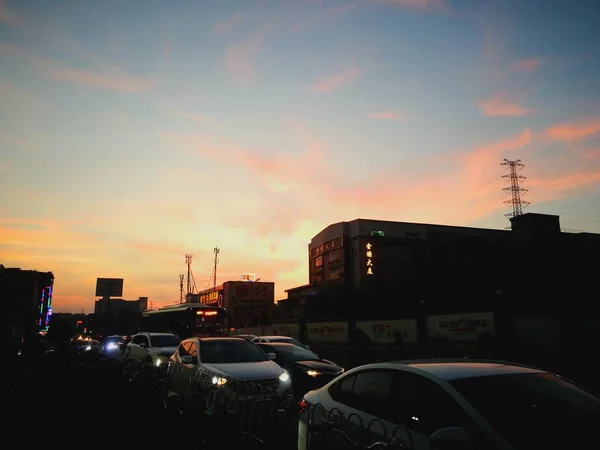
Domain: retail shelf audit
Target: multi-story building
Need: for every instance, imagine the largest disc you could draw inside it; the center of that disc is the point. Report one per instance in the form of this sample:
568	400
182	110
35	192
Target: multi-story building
377	267
114	306
25	303
249	303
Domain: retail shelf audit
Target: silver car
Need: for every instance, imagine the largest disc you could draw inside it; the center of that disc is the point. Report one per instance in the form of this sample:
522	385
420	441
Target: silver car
232	365
437	404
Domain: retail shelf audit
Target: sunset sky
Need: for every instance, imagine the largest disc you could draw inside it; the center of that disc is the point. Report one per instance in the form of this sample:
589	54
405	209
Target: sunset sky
134	132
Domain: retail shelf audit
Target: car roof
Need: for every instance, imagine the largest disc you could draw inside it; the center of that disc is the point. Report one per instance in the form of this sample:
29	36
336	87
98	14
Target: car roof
449	370
276	337
278	344
157	334
222	339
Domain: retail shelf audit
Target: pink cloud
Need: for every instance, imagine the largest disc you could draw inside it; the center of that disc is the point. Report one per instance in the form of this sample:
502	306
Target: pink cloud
386	115
63	73
241	58
331	82
574	130
502	105
526	65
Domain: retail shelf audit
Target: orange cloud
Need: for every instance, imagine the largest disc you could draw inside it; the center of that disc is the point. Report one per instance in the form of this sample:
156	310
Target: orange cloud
574	130
526	65
59	72
501	105
387	115
332	82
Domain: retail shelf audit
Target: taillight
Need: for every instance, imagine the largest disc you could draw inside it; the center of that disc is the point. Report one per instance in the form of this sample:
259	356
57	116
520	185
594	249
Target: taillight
302	406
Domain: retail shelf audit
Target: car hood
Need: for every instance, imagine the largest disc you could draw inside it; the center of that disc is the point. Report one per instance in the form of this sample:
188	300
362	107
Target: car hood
320	366
164	351
262	370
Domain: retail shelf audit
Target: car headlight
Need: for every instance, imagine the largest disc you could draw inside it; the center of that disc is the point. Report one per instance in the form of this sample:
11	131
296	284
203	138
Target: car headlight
161	360
312	373
219	381
284	377
88	348
112	346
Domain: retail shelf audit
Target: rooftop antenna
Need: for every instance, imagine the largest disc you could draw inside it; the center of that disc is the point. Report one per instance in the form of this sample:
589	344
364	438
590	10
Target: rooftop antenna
216	250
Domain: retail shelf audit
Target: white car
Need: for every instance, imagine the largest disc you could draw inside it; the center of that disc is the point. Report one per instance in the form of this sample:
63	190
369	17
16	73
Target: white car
465	404
201	364
152	348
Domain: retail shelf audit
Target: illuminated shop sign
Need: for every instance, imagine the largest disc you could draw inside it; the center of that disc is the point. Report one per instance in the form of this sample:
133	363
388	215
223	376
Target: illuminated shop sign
209	297
369	255
327	247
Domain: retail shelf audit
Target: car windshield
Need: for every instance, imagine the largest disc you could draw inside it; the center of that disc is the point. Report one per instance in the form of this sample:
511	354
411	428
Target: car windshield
285	340
293	353
165	340
535	410
230	351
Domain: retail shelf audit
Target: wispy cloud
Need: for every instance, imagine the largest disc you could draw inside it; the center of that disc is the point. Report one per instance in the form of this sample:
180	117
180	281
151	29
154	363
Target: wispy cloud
420	5
60	72
502	105
526	65
386	115
574	130
241	56
329	83
17	141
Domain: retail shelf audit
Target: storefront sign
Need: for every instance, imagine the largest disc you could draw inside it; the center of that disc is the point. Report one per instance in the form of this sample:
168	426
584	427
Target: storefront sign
287	329
327	332
460	327
389	331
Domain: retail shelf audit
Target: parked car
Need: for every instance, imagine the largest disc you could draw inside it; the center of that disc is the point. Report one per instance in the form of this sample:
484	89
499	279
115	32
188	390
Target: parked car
306	369
287	339
465	404
234	365
152	348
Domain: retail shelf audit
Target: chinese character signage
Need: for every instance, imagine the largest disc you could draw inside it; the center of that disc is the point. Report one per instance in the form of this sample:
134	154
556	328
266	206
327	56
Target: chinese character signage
369	255
248	277
327	247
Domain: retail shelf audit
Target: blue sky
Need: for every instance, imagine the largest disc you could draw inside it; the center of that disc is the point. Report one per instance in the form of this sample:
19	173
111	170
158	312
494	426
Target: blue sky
134	132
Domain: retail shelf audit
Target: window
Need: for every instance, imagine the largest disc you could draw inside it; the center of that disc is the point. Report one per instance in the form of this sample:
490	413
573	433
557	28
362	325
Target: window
319	261
334	256
411	399
367	391
335	274
222	351
165	340
377	233
140	339
184	349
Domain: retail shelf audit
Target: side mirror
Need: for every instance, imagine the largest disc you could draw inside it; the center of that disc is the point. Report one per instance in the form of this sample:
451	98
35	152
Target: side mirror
451	438
187	359
272	356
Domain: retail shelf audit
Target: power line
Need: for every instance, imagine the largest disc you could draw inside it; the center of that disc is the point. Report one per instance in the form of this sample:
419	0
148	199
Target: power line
515	190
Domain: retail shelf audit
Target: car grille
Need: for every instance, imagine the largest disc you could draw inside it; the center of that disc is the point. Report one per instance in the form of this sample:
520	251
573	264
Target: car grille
268	385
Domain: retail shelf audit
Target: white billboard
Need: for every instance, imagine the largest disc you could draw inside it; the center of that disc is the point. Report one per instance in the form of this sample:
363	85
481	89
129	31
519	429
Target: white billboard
460	327
385	331
287	329
327	332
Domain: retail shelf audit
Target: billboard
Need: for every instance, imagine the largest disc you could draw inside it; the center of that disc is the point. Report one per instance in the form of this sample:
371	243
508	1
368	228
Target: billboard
388	331
461	327
327	332
109	287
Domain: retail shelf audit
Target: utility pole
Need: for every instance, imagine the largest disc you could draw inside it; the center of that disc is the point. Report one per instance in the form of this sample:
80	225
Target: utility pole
188	262
181	276
216	250
515	190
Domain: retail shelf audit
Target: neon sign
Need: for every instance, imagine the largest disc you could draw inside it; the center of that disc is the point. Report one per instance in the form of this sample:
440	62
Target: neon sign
369	255
206	313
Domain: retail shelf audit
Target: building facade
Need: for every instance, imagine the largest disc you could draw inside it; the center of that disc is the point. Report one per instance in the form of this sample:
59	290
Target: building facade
374	268
249	303
116	306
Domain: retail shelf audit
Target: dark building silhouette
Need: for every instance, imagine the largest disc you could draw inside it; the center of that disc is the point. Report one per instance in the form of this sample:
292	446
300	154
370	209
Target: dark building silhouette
25	304
370	268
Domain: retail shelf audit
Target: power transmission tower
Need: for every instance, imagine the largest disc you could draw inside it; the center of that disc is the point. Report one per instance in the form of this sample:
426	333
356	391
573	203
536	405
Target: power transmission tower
515	190
216	250
181	276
